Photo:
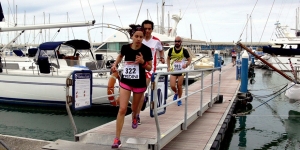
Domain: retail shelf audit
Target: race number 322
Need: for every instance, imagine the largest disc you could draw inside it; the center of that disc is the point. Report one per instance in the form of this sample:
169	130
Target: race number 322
130	70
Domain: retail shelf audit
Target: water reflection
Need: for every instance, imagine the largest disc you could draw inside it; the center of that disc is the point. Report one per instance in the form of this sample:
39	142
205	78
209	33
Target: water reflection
242	135
50	123
292	125
274	124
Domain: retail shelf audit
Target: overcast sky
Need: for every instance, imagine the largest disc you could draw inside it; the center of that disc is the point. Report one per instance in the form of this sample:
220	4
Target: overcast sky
215	20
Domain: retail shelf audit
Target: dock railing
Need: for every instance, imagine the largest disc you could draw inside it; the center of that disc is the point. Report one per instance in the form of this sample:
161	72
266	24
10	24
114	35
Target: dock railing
156	109
70	99
152	86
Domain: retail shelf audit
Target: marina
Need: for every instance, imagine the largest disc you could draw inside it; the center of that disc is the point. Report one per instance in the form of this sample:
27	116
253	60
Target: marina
58	90
274	111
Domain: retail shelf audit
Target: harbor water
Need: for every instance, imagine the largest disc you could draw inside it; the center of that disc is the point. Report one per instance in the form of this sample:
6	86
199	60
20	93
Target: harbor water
273	125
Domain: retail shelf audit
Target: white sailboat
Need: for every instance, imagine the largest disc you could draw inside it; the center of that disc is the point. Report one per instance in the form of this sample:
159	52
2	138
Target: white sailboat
39	77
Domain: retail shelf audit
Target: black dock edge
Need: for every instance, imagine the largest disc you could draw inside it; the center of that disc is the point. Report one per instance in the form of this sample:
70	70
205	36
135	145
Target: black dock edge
223	138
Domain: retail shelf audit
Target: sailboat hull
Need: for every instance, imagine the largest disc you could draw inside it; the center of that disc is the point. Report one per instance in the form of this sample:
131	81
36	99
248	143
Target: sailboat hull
43	90
280	51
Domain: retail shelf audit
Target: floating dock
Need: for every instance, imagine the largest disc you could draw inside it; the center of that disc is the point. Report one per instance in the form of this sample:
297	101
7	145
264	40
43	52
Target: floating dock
202	128
203	125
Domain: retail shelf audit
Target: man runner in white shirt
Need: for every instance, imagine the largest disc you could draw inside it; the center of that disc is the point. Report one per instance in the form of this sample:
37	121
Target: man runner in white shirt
155	45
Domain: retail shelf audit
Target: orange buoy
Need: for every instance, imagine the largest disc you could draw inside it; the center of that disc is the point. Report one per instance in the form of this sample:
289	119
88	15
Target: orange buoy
110	88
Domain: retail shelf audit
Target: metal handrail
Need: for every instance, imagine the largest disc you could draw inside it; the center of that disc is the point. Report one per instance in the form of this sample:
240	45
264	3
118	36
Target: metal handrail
154	87
67	97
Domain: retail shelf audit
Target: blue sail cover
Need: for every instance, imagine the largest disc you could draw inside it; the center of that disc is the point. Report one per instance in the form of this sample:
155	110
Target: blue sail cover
1	14
50	45
280	51
76	44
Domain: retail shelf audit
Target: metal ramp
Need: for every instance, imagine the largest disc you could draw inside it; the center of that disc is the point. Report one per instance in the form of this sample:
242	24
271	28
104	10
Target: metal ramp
158	128
68	145
145	136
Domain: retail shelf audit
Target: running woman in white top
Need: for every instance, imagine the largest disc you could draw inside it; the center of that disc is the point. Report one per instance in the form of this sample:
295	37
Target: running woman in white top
155	45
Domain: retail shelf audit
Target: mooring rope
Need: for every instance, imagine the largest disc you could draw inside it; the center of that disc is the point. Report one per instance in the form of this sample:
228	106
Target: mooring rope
266	96
248	112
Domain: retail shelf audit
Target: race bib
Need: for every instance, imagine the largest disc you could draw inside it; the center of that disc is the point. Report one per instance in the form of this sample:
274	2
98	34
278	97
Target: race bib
131	70
177	66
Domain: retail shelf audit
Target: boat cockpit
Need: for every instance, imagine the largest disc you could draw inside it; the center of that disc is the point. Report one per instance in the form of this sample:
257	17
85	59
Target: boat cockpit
65	54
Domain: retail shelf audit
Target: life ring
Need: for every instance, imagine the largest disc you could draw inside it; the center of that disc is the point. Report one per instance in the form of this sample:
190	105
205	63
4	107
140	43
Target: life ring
110	88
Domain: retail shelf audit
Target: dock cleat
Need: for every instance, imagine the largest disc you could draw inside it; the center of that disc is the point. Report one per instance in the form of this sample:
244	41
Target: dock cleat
117	143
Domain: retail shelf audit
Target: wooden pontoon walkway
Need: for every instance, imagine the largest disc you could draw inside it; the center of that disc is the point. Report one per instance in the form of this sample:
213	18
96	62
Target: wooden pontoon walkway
201	130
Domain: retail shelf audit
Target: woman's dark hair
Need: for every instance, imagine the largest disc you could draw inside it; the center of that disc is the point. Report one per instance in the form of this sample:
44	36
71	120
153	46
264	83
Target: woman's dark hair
148	22
135	28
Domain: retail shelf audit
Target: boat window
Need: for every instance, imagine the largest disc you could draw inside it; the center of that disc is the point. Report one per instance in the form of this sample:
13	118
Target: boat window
14	66
66	50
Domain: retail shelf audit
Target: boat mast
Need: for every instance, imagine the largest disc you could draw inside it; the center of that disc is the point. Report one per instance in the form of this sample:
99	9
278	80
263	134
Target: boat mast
158	30
162	16
251	29
247	28
191	31
16	23
49	29
33	30
24	25
68	21
139	12
44	23
102	22
168	23
8	24
296	21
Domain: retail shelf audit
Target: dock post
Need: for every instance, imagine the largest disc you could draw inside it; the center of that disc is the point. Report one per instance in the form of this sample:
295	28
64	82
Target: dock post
201	99
1	66
211	88
216	60
244	72
186	100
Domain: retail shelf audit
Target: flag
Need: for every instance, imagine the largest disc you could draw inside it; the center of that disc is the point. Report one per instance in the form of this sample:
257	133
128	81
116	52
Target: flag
1	14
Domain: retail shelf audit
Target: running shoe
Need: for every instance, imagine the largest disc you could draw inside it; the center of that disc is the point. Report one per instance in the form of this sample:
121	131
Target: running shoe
117	143
145	102
134	123
138	119
175	97
179	103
